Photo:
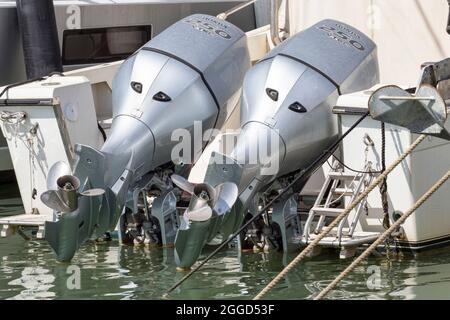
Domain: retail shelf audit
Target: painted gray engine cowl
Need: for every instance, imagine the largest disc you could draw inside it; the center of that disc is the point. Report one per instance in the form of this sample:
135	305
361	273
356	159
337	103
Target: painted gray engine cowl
308	72
199	63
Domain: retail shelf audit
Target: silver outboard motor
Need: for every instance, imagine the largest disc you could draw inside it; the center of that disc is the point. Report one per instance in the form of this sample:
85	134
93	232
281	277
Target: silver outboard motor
190	72
286	106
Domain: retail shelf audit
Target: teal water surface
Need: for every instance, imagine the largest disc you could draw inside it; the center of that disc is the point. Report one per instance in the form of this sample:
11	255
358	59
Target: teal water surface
28	270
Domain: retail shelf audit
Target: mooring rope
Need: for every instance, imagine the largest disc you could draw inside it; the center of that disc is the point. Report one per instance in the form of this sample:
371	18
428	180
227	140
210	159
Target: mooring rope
384	236
338	219
12	117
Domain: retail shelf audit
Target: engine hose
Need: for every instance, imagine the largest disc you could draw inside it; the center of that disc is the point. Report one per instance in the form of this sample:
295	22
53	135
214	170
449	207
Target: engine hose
102	131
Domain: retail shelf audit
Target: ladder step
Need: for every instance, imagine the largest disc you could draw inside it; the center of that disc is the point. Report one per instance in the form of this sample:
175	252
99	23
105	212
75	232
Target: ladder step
332	240
343	176
343	191
329	212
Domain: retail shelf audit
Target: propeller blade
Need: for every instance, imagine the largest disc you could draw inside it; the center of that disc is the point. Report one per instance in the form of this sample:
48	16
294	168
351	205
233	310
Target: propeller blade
199	215
57	170
227	195
183	183
52	200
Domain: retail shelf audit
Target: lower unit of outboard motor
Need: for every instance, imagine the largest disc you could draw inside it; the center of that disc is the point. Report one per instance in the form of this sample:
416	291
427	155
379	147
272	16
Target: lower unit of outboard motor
189	73
286	109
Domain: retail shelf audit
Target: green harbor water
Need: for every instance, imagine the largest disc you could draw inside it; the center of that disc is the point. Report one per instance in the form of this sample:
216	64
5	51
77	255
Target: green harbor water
28	270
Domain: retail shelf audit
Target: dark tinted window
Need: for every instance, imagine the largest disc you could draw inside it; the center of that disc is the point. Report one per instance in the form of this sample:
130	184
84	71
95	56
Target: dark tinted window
99	45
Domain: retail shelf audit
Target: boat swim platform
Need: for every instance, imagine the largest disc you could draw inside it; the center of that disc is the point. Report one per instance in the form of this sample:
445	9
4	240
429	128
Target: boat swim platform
9	225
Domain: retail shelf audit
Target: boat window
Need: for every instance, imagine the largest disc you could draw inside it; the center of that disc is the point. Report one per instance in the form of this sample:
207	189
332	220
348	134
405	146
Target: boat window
100	45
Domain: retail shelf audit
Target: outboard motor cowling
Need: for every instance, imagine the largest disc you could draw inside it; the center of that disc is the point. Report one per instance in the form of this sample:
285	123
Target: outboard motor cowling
293	89
187	73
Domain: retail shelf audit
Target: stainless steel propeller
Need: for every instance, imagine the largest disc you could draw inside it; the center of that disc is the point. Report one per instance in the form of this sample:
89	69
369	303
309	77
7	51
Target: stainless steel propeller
207	200
62	195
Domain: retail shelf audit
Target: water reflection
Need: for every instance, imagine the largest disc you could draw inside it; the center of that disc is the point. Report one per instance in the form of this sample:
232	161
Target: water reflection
37	283
426	277
28	270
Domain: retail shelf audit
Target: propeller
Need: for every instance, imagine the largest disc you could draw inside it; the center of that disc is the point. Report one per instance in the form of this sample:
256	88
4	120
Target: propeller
62	188
207	200
62	195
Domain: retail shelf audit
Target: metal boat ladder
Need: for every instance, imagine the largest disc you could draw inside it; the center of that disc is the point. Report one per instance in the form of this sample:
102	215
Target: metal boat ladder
340	185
